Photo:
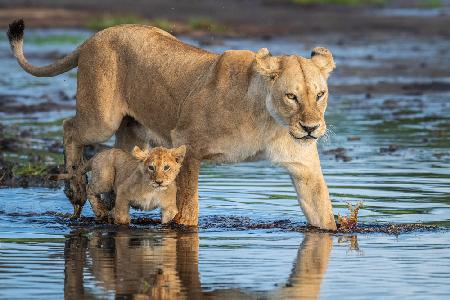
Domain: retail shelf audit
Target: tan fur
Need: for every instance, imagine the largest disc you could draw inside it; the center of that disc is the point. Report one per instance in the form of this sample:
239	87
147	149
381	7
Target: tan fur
228	107
145	181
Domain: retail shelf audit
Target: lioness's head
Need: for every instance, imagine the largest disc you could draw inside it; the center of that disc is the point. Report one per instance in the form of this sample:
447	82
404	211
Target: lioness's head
161	165
298	90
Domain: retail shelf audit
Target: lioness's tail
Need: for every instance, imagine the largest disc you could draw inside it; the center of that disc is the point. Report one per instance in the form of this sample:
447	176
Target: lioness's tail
15	36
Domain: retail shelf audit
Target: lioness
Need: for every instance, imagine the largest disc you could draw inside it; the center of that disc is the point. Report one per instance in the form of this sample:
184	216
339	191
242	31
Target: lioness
229	107
144	180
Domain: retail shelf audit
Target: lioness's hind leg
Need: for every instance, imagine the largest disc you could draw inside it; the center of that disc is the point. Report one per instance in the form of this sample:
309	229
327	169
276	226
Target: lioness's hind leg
75	188
99	113
78	132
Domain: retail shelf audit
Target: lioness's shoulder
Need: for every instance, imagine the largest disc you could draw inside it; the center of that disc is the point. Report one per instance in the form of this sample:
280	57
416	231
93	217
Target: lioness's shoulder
237	55
234	65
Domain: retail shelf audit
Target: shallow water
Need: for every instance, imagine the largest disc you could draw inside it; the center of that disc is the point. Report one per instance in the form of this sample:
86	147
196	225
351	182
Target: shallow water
395	138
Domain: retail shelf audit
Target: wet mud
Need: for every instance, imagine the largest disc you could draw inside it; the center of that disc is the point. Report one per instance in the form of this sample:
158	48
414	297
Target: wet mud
218	223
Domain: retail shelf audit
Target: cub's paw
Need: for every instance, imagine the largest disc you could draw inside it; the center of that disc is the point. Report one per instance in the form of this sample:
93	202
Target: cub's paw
168	215
102	218
120	219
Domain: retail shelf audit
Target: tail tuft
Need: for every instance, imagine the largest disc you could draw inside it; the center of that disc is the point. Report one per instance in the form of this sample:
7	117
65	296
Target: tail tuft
15	31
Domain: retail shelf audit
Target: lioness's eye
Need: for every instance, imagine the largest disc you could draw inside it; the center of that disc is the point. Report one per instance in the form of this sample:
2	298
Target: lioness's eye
291	96
151	168
320	95
166	168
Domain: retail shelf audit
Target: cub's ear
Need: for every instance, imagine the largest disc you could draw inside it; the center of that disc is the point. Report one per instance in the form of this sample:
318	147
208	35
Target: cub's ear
179	153
266	64
323	59
139	153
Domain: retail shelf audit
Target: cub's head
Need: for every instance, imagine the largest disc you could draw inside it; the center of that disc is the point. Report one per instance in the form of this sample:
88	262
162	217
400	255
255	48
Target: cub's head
298	90
161	165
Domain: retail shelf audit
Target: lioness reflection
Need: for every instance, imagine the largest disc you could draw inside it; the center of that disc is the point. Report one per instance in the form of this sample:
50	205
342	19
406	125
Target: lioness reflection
164	265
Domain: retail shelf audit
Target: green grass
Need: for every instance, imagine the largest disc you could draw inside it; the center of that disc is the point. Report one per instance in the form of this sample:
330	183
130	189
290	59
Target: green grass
31	169
57	122
163	24
433	3
205	23
56	39
194	23
109	21
341	2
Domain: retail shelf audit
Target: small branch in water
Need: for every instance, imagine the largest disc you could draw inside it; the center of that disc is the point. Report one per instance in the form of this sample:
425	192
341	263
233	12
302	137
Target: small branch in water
350	222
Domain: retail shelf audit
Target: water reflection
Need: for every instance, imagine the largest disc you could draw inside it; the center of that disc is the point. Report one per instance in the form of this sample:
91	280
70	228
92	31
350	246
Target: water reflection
164	265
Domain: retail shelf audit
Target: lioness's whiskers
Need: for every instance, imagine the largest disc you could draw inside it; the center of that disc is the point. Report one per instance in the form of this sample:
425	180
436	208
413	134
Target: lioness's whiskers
326	138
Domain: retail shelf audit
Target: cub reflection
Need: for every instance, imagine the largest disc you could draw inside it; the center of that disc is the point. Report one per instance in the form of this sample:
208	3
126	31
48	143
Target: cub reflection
164	265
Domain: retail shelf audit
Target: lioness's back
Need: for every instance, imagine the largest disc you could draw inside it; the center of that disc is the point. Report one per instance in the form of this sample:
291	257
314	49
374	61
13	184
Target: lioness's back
135	65
141	37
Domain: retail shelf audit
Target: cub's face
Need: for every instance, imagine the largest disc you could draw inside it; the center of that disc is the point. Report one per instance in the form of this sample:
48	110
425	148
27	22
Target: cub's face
298	92
161	165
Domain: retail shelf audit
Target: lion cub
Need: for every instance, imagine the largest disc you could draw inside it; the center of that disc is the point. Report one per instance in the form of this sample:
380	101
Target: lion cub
143	180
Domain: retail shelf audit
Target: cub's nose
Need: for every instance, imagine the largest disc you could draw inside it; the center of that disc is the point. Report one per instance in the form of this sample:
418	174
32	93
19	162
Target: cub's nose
158	181
309	129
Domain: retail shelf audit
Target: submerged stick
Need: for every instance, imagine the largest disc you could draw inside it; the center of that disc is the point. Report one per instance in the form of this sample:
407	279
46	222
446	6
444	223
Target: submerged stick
351	221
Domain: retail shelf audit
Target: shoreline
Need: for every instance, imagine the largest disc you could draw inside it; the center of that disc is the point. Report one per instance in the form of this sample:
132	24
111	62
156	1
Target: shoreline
264	20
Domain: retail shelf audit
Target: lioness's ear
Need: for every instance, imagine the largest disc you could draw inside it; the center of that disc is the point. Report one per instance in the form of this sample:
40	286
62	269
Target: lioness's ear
139	153
323	58
179	153
266	64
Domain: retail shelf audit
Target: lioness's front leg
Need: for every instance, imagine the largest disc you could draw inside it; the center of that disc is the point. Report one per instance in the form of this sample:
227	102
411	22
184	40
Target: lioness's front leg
187	192
313	195
303	164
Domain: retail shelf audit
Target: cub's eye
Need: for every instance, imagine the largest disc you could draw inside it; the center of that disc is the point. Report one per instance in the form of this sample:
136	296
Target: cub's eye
166	168
151	168
292	97
320	95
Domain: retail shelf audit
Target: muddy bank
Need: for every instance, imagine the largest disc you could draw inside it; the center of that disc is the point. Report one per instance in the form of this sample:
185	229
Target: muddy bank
220	223
263	19
22	164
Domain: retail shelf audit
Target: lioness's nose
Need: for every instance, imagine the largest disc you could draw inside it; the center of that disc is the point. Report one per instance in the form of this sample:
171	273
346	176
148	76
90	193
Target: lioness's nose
158	181
309	129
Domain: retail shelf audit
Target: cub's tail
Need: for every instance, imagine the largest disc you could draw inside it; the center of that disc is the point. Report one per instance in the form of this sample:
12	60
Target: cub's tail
15	36
86	167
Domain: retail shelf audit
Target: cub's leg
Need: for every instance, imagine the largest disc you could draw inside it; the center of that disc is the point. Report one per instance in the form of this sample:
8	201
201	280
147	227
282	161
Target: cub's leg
99	113
121	211
169	204
187	191
100	210
130	134
102	181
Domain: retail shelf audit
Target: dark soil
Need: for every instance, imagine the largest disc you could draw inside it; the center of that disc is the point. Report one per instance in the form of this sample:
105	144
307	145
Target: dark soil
263	18
223	223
